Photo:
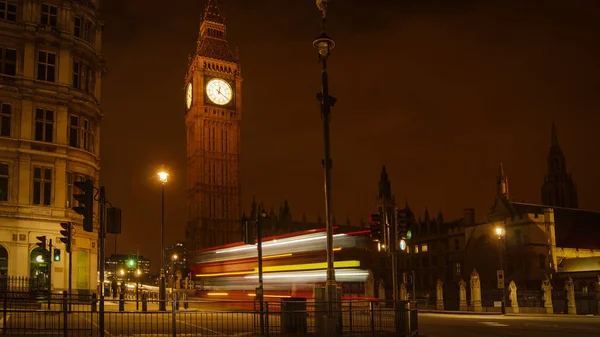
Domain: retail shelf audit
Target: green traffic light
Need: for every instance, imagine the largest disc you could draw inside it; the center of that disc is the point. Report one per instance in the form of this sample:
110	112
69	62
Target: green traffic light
57	255
131	263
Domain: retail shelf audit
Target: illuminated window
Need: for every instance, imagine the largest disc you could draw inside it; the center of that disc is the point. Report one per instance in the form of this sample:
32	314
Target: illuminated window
457	266
416	249
424	248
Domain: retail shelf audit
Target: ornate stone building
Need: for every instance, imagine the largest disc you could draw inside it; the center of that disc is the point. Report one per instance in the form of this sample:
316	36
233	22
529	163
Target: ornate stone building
51	68
213	105
558	188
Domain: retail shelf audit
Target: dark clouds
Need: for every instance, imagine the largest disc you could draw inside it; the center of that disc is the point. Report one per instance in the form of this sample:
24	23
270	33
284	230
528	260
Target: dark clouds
439	91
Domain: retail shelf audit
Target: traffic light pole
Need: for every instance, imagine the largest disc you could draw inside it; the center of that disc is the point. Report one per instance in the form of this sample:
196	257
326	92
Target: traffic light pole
70	273
50	273
101	236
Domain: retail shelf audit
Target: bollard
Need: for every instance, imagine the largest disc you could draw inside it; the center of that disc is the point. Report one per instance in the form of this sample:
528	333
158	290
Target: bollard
94	302
186	304
176	300
144	302
121	302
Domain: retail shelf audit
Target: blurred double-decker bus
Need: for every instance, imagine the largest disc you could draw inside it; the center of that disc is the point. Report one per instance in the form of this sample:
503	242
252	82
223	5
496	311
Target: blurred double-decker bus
293	265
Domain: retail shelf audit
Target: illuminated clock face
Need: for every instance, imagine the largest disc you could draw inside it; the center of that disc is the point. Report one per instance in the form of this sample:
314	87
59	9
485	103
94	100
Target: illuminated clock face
188	96
219	91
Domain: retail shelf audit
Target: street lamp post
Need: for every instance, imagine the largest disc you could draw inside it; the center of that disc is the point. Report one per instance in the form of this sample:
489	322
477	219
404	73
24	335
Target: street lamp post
501	233
162	305
324	44
173	259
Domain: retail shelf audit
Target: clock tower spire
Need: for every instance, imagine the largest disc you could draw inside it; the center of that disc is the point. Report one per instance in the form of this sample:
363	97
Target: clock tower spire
213	111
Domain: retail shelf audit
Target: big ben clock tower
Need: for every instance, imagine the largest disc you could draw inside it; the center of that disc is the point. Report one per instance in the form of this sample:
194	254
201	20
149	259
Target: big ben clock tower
213	105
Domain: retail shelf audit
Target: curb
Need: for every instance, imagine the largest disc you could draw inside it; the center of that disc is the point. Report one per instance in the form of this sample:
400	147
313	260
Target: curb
459	312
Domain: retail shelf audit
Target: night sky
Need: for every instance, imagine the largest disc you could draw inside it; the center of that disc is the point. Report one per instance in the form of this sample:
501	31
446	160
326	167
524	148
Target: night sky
438	91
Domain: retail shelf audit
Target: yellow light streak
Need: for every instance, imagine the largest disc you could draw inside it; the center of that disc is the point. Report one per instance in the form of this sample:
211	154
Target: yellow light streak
217	294
272	296
337	249
309	266
276	256
291	267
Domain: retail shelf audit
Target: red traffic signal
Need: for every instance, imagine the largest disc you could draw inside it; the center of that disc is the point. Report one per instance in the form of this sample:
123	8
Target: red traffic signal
375	226
375	218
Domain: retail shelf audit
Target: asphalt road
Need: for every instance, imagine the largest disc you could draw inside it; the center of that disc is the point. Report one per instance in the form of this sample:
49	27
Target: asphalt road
447	325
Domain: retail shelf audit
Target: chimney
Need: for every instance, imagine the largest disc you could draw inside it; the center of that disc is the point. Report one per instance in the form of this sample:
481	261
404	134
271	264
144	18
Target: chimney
469	216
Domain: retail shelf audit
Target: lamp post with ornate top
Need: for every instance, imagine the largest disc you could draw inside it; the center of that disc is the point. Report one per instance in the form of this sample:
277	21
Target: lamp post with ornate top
324	44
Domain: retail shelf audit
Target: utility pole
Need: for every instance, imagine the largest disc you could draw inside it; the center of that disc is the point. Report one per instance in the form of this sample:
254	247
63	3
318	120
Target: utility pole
137	276
260	289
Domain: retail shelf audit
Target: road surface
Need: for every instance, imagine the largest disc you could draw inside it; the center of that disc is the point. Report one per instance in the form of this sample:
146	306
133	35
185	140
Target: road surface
448	325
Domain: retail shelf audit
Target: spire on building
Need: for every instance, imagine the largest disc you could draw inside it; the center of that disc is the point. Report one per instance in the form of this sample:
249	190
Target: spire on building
558	188
502	182
212	41
385	186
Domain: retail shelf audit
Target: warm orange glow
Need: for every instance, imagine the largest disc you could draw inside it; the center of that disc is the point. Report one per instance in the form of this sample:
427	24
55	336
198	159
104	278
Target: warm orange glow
163	176
272	296
337	249
217	294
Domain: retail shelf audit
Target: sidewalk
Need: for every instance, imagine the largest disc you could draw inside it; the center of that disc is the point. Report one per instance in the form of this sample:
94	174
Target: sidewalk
483	313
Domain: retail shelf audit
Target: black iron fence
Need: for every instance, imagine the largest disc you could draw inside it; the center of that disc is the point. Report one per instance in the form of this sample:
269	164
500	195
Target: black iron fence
64	315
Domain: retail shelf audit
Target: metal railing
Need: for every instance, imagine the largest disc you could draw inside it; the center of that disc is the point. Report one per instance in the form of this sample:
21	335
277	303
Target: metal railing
73	316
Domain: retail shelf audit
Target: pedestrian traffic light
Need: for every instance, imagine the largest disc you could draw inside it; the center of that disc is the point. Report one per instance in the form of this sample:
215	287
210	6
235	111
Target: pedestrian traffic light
247	230
56	254
42	242
402	224
85	196
375	226
67	234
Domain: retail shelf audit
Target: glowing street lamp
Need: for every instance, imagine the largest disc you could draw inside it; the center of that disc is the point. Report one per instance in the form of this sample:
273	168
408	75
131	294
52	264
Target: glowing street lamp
162	294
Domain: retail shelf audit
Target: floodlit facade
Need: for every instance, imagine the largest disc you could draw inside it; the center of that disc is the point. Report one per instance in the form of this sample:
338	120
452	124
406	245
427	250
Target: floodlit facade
51	68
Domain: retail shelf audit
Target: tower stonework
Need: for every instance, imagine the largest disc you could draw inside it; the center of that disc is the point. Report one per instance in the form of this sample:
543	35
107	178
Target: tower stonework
213	105
558	188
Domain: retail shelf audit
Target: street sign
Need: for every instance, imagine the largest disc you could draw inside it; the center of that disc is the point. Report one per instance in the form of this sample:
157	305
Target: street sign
500	277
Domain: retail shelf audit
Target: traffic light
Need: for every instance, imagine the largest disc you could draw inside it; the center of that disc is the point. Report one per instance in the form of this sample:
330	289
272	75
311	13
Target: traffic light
402	224
67	234
86	203
56	254
375	226
247	231
131	262
42	242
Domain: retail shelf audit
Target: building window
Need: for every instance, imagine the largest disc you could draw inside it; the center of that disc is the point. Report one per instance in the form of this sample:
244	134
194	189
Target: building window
76	75
457	268
77	27
542	259
49	15
423	248
3	182
87	135
519	237
8	61
5	116
42	185
46	66
416	249
456	244
74	131
44	125
87	31
8	11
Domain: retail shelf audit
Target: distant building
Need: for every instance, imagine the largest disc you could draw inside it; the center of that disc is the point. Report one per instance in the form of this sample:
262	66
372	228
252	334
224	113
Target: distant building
51	68
176	260
558	188
126	266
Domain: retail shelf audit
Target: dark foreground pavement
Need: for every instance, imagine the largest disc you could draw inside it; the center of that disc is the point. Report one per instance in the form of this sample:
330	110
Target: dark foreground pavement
440	325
